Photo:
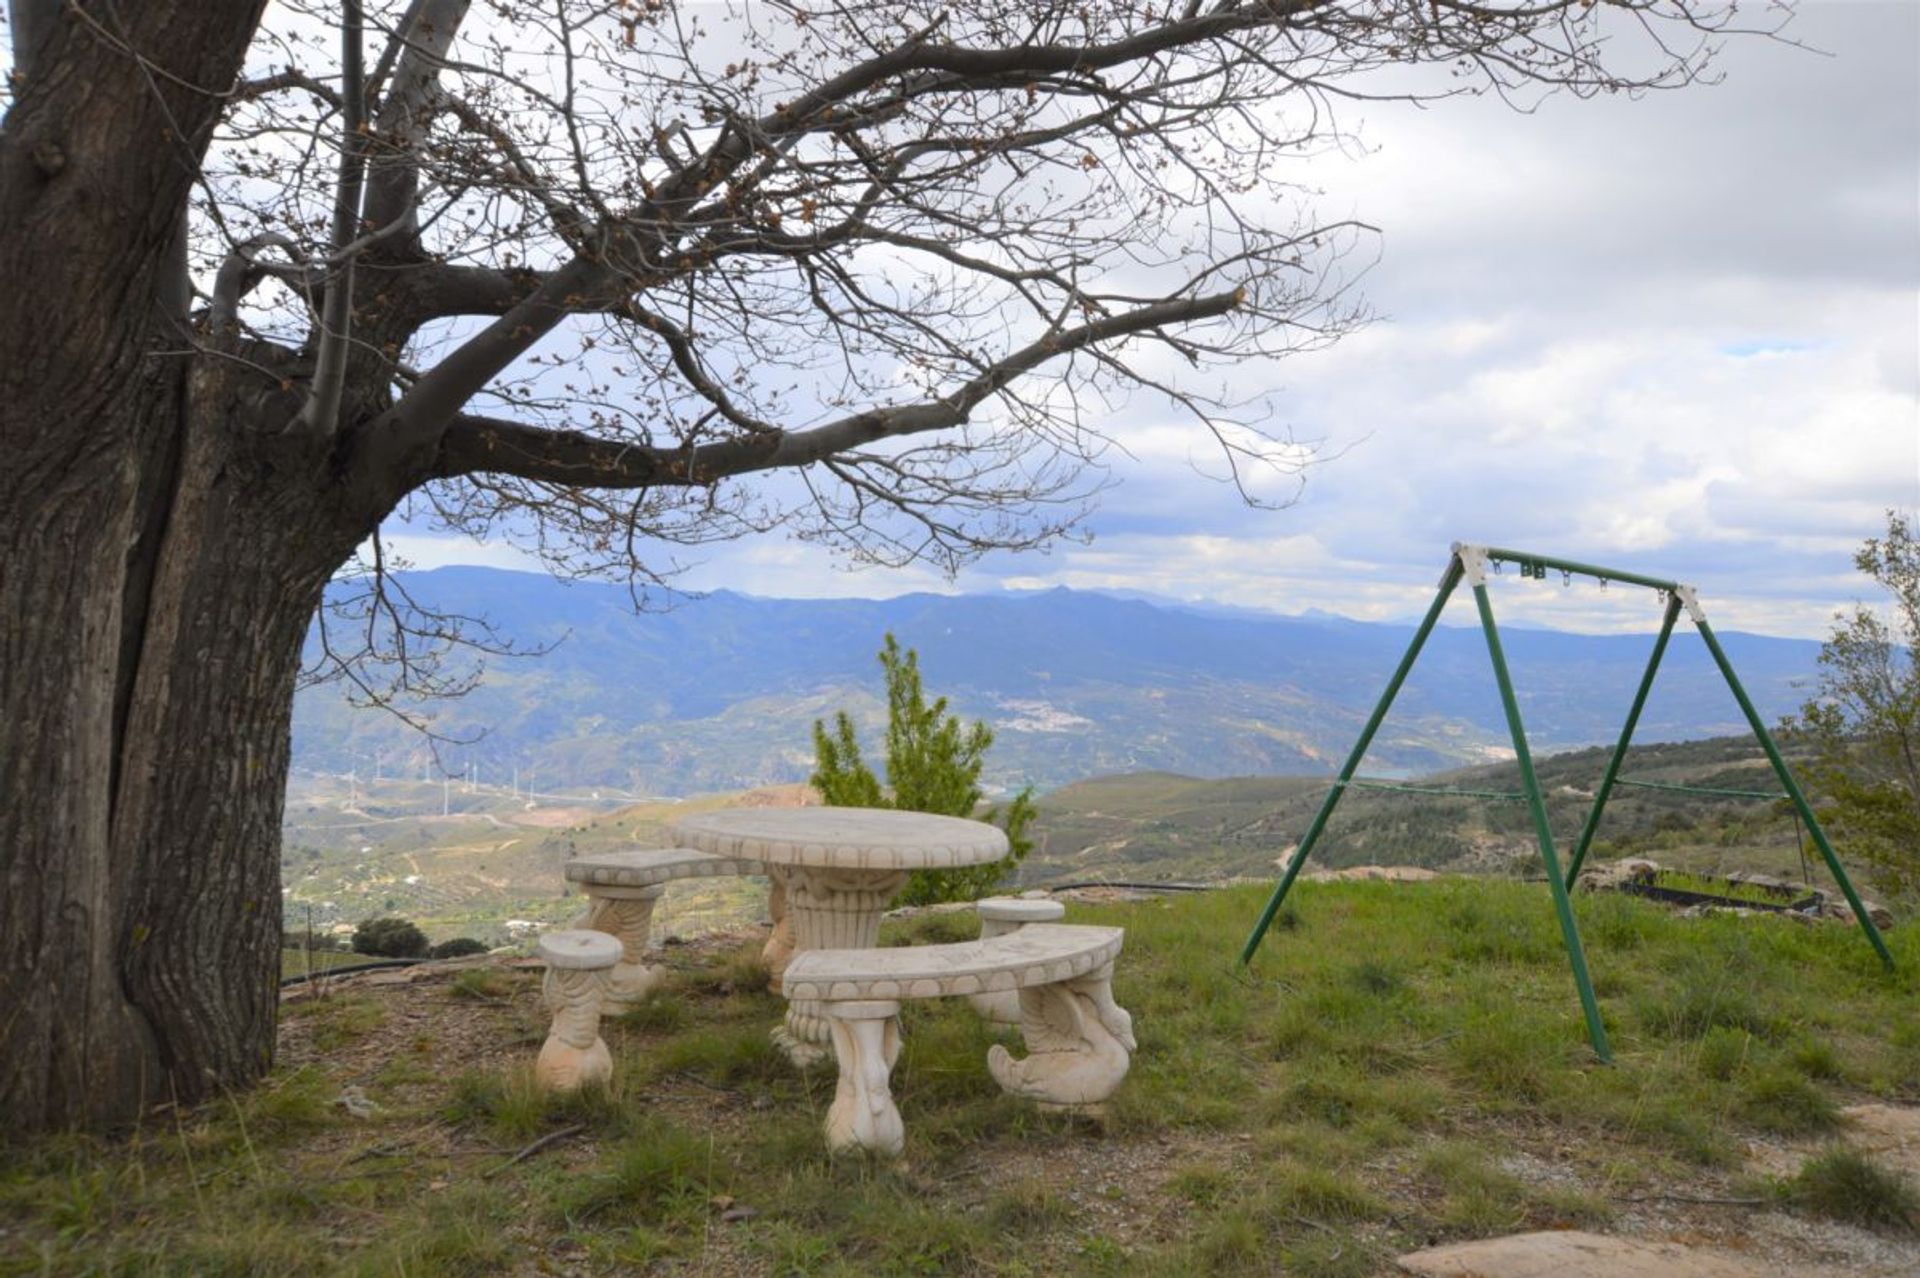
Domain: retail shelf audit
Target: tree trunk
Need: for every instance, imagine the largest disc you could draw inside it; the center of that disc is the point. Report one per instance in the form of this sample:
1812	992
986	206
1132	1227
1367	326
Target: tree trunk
140	928
162	546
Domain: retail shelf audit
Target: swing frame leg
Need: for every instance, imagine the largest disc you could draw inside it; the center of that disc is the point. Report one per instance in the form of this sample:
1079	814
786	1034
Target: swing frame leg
1792	787
1605	790
1563	907
1448	580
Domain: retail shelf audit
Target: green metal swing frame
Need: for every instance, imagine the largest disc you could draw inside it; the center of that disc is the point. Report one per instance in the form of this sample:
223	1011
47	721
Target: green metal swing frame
1470	563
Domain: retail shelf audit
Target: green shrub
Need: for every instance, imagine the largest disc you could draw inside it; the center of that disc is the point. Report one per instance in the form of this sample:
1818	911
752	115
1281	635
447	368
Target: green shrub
390	938
932	766
485	984
458	947
1725	1051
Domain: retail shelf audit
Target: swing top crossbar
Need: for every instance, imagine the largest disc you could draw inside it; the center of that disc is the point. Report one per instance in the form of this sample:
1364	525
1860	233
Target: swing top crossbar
1527	559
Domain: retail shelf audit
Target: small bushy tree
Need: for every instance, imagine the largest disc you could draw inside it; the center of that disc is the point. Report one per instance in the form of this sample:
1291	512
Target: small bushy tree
933	765
1863	726
390	938
458	947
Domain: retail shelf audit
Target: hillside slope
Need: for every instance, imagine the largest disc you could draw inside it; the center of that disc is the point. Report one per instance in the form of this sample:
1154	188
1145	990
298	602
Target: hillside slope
1157	827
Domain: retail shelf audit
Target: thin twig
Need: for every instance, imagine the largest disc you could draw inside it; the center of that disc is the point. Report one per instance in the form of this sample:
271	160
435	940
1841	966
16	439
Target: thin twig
537	1146
698	1081
1688	1198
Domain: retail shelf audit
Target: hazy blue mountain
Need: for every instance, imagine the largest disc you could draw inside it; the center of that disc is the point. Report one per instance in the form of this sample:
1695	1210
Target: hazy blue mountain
720	692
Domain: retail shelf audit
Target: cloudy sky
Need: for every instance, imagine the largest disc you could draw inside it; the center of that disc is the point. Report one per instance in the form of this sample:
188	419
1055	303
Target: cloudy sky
1677	334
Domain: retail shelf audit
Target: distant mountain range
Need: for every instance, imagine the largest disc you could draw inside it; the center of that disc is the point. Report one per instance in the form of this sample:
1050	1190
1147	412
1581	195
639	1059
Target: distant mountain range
720	692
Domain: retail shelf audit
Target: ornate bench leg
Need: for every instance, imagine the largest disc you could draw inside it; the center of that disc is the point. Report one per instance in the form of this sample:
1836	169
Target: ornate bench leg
626	914
1078	1039
578	967
828	910
866	1043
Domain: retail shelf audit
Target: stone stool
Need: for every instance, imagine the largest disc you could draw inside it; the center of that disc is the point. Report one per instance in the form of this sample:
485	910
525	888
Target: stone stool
1000	915
579	964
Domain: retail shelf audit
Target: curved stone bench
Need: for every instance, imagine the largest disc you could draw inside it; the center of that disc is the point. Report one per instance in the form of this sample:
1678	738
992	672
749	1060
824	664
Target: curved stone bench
1079	1041
621	889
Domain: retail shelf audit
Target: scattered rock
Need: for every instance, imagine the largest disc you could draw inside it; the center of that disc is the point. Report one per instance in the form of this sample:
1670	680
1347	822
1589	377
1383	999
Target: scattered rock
1574	1254
355	1102
1742	912
1835	907
1611	876
1372	873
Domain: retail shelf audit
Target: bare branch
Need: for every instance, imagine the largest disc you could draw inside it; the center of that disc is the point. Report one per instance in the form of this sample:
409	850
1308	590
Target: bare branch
427	34
241	271
320	413
572	457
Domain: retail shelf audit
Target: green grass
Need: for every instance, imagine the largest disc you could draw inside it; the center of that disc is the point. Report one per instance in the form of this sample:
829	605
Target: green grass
1724	888
1403	1064
318	962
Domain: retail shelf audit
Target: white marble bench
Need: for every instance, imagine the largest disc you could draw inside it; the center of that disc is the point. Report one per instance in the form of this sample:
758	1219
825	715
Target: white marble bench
622	888
1079	1041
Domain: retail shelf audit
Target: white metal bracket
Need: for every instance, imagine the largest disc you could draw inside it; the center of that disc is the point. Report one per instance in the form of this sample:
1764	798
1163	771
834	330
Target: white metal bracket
1690	599
1473	562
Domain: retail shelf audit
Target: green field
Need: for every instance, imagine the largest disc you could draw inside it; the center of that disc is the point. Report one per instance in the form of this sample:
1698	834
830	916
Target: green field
1404	1064
356	851
302	963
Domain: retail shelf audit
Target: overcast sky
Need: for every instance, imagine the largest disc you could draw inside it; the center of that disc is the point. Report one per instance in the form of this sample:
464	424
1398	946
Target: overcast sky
1677	334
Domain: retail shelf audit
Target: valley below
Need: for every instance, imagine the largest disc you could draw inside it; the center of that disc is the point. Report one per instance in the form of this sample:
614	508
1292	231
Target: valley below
1163	743
487	862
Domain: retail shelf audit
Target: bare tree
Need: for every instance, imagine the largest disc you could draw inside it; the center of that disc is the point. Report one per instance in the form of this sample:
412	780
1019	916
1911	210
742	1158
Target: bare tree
574	272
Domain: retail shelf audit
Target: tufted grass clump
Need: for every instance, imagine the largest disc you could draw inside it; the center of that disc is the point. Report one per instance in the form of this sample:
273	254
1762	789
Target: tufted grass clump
1781	1101
1844	1184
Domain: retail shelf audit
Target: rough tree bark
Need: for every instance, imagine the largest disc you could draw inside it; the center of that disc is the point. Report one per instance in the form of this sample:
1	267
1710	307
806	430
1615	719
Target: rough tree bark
161	552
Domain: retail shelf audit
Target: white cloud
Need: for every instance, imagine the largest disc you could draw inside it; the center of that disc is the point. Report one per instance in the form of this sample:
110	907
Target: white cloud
1678	334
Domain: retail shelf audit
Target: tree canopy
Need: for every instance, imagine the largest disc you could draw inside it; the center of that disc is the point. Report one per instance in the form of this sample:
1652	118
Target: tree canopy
1863	723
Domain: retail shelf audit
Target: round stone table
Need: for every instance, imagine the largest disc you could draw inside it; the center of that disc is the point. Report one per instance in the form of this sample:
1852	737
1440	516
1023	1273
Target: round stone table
835	869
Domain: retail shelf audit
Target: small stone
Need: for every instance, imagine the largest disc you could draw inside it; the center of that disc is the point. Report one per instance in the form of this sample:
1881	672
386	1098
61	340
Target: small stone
355	1102
733	1215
